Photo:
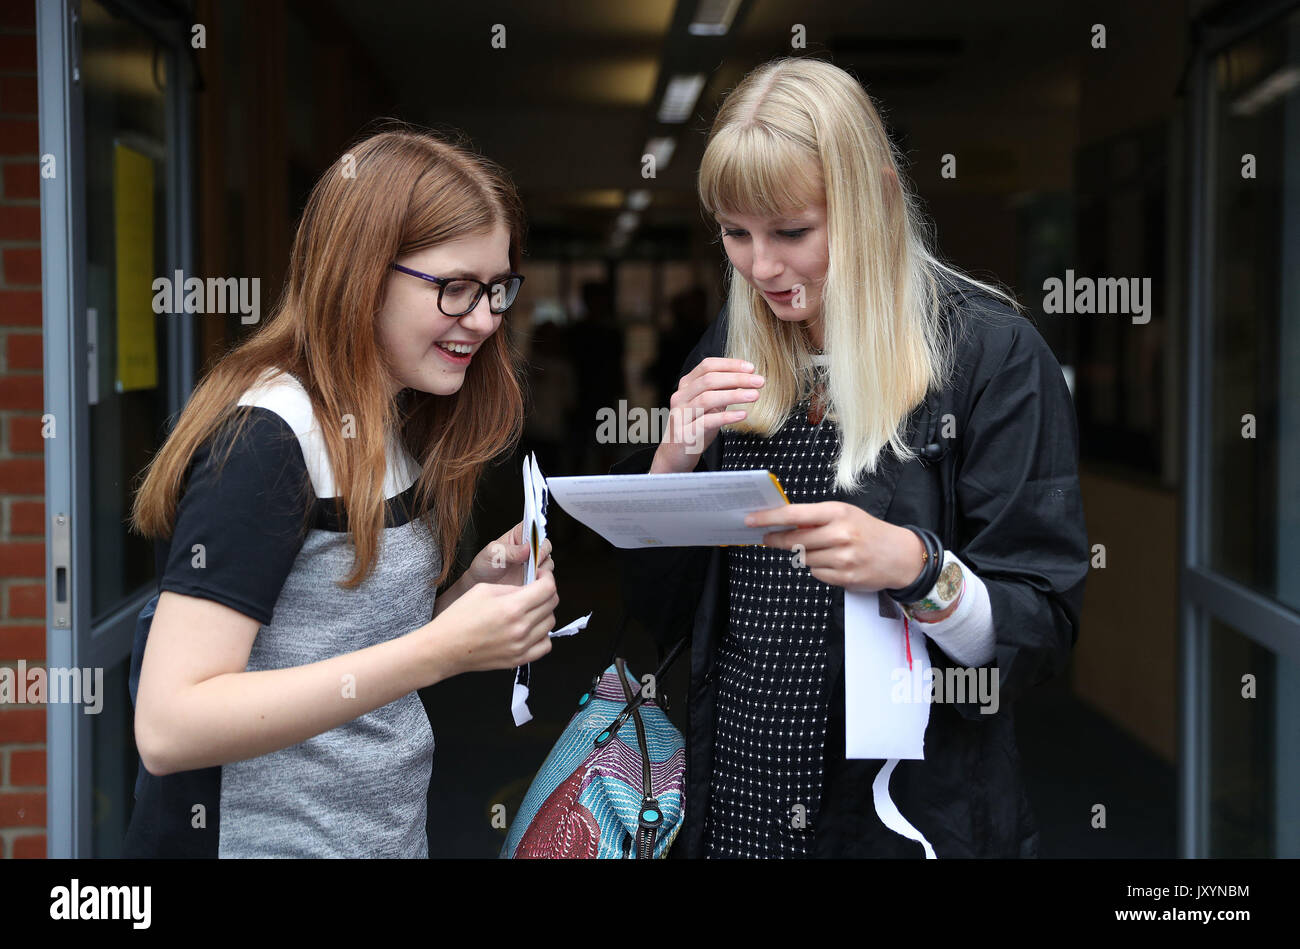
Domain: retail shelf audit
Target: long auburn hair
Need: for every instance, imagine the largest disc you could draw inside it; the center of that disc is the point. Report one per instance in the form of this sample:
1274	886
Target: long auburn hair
390	194
798	127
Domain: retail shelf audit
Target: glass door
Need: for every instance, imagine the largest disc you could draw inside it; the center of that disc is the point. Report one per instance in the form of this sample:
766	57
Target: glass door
1240	695
117	371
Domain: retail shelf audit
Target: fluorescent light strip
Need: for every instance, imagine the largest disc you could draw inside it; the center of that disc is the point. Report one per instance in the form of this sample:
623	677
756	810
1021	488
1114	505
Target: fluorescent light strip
662	149
713	17
680	97
638	200
1274	87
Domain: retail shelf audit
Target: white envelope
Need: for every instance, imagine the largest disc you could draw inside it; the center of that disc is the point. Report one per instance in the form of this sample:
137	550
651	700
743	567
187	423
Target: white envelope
886	701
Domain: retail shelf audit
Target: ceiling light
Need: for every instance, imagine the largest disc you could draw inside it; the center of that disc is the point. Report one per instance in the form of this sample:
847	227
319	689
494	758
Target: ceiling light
1274	87
713	17
638	200
680	97
661	149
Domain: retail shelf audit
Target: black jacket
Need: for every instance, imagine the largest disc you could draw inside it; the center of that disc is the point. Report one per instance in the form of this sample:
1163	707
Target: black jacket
1008	482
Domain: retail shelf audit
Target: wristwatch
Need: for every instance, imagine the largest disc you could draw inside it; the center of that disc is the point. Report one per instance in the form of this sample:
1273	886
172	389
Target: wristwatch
943	596
933	595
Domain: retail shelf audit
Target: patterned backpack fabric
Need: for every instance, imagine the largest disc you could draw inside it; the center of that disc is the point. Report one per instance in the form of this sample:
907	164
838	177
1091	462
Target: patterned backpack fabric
613	785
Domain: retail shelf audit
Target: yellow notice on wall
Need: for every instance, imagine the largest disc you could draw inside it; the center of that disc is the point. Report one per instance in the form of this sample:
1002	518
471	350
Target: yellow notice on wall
137	356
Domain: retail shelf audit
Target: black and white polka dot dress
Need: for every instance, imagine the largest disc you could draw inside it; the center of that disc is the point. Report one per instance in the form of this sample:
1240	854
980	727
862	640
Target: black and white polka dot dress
771	720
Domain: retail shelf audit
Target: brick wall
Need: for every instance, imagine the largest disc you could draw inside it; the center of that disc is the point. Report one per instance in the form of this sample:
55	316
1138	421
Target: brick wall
22	461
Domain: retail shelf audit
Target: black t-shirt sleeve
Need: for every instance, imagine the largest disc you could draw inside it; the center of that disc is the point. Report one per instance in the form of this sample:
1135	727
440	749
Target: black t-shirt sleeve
249	518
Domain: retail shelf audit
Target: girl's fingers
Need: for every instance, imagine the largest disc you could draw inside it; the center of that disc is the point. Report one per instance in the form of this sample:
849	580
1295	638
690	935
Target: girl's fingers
538	650
812	538
717	364
718	380
716	400
546	611
794	515
710	423
537	592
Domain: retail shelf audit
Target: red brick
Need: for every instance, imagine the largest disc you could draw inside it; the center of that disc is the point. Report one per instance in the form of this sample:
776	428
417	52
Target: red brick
22	179
22	558
20	223
22	809
27	601
17	136
25	433
27	517
22	476
22	265
18	95
18	52
22	642
18	14
21	724
20	307
24	351
27	768
22	392
29	847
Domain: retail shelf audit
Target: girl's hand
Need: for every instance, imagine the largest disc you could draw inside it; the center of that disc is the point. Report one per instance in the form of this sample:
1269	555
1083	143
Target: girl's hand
843	545
494	626
698	409
503	560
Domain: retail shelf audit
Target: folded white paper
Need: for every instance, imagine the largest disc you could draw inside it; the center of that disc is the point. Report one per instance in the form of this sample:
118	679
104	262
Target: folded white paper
888	811
535	498
697	509
577	625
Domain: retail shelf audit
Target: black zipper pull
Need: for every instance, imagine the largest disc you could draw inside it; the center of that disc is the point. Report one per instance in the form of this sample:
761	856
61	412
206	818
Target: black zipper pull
649	821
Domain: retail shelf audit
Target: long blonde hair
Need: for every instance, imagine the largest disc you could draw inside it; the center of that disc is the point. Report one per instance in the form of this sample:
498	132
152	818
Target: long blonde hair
796	127
390	194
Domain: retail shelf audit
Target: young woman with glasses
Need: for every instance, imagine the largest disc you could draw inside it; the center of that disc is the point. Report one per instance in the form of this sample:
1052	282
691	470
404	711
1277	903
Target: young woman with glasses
925	437
308	505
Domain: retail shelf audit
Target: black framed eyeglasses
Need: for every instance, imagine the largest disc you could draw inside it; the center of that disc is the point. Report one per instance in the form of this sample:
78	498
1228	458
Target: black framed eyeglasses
457	296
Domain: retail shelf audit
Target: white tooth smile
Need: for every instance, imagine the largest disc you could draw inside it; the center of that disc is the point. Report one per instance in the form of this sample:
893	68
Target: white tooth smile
463	349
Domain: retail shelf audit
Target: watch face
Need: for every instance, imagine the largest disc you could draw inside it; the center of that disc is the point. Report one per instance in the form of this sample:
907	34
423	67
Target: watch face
949	581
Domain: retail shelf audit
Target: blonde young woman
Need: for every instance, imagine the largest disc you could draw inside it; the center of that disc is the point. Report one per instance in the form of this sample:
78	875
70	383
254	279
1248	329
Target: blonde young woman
925	436
308	504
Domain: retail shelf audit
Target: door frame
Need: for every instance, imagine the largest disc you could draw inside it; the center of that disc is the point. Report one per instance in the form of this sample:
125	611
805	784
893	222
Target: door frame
73	640
1204	593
